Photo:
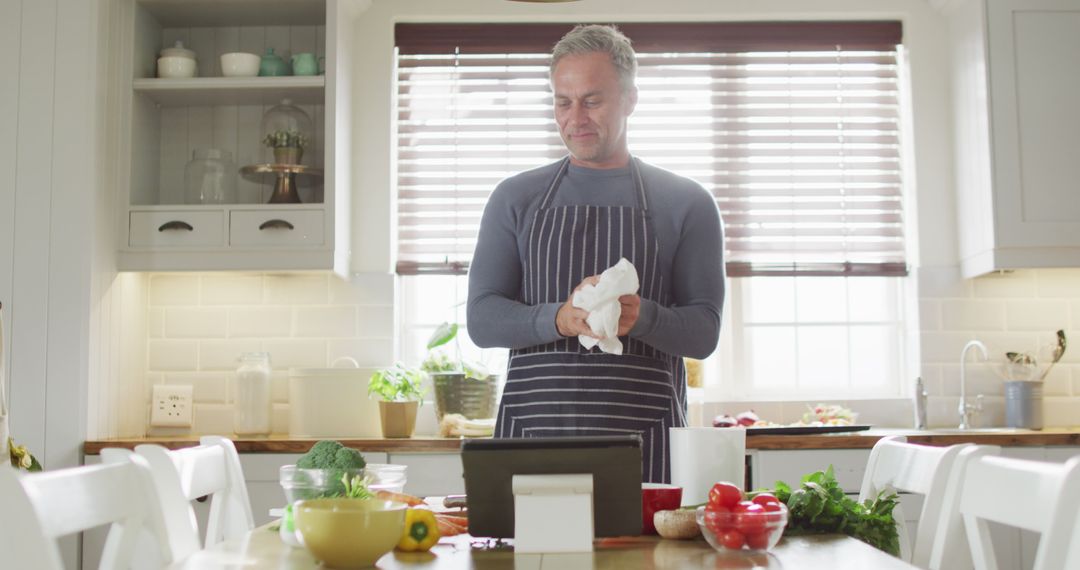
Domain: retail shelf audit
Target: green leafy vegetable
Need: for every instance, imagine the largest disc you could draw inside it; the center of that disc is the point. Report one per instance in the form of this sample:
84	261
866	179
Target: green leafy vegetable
819	506
398	383
442	335
356	488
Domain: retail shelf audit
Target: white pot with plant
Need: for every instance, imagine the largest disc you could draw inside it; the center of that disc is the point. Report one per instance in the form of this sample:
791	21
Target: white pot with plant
399	392
461	386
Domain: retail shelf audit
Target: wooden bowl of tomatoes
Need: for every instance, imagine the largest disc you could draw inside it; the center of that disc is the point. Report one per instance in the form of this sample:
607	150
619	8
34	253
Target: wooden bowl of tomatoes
731	522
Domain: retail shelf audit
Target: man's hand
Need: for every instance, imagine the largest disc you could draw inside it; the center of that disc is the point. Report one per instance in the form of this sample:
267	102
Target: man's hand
631	308
570	320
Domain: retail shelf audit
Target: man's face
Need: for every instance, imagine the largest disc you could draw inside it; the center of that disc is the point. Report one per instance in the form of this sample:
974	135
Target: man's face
591	110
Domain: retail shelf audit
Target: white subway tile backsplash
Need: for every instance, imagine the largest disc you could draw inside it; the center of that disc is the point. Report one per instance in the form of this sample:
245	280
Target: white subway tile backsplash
1058	383
170	289
262	322
1017	284
941	347
1061	283
193	322
224	354
973	315
376	321
212	419
366	289
368	352
326	322
172	354
1061	412
1036	315
296	353
155	322
982	378
207	387
232	290
296	290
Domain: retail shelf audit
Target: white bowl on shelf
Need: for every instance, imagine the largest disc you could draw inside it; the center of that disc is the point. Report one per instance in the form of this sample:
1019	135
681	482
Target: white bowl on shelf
173	66
239	64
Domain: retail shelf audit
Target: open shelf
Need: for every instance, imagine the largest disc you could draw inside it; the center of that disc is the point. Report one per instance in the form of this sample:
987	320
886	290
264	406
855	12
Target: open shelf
198	91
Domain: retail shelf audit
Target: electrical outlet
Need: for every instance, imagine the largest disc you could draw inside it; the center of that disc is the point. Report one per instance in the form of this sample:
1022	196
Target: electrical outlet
170	406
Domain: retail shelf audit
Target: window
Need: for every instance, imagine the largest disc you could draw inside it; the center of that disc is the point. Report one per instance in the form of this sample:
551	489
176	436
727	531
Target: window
794	128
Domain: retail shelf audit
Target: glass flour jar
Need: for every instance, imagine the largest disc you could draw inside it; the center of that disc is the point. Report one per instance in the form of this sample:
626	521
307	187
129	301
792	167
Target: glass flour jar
252	406
210	177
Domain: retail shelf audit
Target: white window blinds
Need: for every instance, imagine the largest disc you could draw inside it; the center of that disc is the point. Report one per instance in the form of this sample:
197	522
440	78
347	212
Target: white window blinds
794	127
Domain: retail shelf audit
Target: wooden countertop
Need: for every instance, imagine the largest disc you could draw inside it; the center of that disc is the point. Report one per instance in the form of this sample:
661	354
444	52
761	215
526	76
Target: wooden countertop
853	440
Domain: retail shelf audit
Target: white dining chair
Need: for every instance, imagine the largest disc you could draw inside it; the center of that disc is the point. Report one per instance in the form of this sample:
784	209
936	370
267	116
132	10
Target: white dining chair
180	476
899	466
42	507
1038	496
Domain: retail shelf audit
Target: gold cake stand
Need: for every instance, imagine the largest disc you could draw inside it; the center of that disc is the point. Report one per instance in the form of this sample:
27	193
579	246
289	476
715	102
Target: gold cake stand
285	183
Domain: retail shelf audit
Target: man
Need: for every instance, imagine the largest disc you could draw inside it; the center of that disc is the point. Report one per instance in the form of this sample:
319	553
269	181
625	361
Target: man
546	232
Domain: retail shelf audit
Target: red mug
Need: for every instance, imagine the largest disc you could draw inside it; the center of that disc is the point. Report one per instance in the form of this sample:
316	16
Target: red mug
657	497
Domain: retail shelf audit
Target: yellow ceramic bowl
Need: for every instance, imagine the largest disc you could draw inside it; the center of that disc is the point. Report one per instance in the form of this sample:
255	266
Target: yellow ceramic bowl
349	533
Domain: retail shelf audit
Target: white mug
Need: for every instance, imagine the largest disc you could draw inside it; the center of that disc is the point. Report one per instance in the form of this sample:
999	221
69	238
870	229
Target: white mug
702	456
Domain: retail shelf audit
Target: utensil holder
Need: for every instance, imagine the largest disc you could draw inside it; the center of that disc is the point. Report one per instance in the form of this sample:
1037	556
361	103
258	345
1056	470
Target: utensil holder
1024	404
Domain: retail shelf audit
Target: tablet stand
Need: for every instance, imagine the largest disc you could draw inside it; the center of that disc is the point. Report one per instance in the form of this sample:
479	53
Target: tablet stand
553	513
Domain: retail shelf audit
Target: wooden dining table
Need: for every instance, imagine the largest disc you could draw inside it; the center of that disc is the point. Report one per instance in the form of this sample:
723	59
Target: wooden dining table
262	548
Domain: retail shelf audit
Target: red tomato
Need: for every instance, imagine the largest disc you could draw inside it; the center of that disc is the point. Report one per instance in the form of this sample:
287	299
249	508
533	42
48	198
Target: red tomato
732	539
766	498
725	494
759	541
771	507
717	518
749	518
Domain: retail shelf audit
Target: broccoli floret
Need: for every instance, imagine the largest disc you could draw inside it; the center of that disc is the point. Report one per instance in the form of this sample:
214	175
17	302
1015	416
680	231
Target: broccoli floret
348	458
320	456
331	455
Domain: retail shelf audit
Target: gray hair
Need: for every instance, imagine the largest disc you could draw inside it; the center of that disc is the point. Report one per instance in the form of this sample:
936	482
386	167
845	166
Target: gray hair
605	39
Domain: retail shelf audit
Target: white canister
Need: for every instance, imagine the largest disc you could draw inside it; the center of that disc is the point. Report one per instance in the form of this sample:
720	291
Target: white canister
252	406
701	456
177	61
332	402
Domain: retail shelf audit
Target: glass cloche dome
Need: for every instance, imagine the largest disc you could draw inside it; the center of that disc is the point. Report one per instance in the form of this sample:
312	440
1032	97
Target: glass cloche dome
286	133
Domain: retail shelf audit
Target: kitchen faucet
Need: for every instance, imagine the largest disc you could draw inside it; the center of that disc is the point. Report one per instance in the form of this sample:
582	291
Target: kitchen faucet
968	411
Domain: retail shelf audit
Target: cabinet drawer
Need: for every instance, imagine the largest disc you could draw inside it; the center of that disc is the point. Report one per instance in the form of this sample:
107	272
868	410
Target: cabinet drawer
277	228
176	229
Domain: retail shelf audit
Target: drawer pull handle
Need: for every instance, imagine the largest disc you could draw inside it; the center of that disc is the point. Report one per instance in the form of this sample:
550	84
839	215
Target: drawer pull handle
175	225
275	225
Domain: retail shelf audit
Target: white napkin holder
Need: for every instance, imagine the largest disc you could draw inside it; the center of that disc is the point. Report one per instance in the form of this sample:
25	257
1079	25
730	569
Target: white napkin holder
553	513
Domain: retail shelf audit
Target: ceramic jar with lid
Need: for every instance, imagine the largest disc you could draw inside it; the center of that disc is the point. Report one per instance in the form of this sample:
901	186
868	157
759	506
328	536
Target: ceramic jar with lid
177	61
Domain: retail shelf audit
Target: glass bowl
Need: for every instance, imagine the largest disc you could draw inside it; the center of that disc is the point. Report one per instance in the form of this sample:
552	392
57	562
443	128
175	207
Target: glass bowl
305	484
735	529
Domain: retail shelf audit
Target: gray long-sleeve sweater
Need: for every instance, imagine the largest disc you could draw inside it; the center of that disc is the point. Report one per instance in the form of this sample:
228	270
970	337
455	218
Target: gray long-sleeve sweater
690	235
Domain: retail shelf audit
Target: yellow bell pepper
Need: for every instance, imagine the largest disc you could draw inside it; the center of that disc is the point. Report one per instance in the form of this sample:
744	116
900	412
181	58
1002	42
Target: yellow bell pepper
421	531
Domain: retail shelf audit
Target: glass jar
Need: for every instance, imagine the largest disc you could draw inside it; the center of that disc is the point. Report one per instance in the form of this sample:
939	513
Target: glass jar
252	406
210	177
286	133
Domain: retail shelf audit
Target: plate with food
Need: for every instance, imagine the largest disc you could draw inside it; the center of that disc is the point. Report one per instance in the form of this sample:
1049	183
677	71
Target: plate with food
823	418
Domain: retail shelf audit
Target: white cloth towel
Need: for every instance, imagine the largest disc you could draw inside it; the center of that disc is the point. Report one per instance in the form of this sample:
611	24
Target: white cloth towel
602	302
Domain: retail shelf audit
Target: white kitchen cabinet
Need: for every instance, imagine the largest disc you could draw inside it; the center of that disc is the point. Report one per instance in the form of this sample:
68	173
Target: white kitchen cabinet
1017	133
432	474
159	122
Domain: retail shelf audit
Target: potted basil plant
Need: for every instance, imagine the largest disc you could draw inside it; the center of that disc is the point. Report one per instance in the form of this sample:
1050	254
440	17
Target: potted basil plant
399	392
461	386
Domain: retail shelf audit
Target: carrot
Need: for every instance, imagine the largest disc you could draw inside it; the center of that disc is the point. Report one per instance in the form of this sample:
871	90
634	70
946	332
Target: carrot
399	497
451	526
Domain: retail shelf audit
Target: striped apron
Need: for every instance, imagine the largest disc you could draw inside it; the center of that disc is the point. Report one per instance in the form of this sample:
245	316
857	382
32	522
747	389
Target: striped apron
560	388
